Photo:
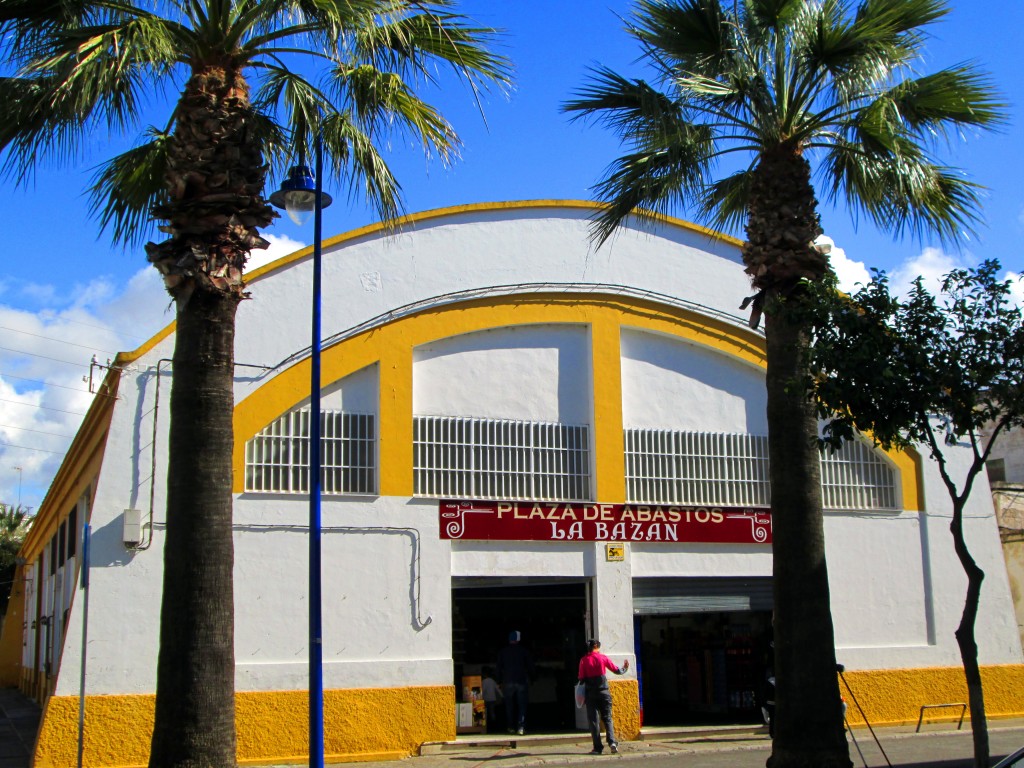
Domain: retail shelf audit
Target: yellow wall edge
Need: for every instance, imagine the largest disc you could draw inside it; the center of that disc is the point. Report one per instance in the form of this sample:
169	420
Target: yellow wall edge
272	726
895	696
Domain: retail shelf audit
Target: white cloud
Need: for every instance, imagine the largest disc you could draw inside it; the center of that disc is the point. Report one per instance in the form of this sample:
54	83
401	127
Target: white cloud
1017	287
280	245
850	272
42	391
931	264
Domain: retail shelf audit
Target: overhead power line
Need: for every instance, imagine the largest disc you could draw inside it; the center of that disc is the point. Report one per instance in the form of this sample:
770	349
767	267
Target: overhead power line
27	448
44	407
37	431
59	341
44	383
44	357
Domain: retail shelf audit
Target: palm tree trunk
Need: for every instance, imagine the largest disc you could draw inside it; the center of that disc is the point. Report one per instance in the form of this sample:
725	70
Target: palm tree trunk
781	225
965	637
195	700
808	714
214	209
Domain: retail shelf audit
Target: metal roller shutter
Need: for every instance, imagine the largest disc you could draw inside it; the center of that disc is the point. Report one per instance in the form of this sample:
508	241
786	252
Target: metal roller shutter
656	596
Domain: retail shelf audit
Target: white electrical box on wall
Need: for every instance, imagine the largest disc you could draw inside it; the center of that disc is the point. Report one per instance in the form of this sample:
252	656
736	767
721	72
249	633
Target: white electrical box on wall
132	527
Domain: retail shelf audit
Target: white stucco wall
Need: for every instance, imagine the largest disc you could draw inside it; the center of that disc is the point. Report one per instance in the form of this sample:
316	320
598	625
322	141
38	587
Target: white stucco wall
897	588
669	384
540	373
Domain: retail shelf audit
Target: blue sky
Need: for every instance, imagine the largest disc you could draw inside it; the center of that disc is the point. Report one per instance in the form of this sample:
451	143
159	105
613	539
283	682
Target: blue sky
66	294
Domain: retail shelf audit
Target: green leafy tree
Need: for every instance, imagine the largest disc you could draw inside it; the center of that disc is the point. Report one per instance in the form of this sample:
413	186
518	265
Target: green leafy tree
14	524
252	83
945	372
777	84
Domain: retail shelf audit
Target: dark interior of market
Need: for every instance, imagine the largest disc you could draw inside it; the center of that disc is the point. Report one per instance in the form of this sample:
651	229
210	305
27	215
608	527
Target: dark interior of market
694	668
551	619
703	668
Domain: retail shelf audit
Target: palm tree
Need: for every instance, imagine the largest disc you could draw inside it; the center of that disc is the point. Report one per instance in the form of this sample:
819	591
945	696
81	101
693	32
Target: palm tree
14	524
255	81
777	84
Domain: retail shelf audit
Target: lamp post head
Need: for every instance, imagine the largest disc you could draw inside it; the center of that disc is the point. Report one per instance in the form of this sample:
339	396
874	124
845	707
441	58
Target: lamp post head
297	195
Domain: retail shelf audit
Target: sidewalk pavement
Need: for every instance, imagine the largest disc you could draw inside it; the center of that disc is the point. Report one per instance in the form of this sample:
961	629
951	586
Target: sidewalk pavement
939	745
19	721
936	745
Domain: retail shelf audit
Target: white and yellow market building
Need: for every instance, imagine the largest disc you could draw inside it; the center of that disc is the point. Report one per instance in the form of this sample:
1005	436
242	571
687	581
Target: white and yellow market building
520	432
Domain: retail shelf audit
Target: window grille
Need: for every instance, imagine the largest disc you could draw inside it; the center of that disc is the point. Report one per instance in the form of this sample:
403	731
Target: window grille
277	458
499	459
698	468
854	477
693	468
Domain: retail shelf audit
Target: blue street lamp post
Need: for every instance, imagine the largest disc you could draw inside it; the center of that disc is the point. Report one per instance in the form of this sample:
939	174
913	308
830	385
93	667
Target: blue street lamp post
299	195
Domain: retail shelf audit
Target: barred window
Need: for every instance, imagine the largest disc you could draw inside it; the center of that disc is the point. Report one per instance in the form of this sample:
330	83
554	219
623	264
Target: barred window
855	477
501	459
277	457
695	468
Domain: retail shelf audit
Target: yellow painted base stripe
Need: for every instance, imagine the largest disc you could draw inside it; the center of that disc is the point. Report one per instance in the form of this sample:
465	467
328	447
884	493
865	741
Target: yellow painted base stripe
895	696
389	723
626	708
272	726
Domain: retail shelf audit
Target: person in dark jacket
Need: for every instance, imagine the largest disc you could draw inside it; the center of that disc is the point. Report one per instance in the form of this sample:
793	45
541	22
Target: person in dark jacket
599	697
515	668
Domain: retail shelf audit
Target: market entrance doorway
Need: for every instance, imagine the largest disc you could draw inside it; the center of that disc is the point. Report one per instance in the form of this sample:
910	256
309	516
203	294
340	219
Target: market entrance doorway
552	617
703	649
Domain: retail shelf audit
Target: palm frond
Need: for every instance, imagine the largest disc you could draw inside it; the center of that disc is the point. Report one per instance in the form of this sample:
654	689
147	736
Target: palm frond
772	14
28	25
382	101
629	107
725	201
88	76
362	169
413	42
658	177
691	36
125	189
953	97
282	90
903	191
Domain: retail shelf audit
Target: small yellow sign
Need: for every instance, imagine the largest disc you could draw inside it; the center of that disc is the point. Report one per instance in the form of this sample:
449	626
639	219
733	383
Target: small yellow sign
613	552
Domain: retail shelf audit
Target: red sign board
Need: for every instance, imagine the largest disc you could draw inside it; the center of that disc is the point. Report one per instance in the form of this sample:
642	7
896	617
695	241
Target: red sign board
559	521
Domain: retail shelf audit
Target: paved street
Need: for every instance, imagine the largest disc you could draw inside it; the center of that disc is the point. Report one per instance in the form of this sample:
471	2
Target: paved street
936	747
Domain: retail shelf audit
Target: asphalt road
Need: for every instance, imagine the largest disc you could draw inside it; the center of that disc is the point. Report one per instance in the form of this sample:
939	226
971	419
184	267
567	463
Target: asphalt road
903	747
939	750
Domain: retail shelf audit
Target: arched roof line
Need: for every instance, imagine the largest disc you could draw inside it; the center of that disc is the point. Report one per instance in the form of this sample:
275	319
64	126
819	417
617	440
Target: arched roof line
396	226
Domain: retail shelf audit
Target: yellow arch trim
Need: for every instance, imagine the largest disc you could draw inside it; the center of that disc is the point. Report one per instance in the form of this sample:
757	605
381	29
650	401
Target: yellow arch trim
391	347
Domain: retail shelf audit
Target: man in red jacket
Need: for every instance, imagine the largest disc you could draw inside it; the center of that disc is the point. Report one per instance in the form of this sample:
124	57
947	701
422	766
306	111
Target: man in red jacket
599	698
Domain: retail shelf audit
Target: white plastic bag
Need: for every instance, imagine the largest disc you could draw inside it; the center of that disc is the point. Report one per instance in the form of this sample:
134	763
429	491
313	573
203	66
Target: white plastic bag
581	695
